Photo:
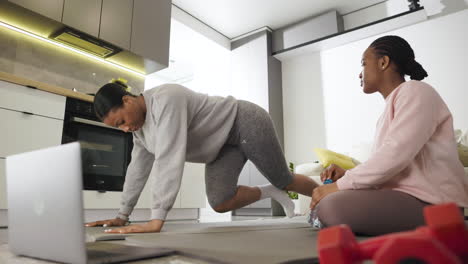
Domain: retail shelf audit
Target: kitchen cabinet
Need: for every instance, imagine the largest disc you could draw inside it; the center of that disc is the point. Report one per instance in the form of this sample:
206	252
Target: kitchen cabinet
28	132
192	189
256	179
257	77
150	29
116	22
141	28
251	176
191	193
23	99
84	15
49	8
3	194
33	119
111	200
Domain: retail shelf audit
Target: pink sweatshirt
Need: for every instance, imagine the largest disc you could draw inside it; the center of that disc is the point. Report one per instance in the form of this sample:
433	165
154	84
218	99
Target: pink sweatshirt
414	150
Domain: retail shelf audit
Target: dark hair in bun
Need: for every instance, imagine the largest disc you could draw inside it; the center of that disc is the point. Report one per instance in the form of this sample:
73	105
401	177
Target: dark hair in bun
109	97
400	52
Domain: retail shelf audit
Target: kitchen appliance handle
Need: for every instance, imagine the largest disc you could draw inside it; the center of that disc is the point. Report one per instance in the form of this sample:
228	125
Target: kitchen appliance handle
91	122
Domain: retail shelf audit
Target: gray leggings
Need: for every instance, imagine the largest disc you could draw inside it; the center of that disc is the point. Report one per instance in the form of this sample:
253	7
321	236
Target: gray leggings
252	137
372	212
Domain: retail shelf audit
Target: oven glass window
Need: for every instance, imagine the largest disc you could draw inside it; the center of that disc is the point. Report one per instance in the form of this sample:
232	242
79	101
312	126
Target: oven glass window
105	154
102	151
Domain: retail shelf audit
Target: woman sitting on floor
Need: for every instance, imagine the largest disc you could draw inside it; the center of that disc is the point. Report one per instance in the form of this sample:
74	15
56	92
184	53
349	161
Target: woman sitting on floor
414	161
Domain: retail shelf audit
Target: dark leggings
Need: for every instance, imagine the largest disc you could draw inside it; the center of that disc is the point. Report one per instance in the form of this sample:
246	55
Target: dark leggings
252	137
372	212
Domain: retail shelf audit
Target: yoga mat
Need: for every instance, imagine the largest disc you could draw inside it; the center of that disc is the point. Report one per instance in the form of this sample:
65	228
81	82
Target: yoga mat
97	233
248	246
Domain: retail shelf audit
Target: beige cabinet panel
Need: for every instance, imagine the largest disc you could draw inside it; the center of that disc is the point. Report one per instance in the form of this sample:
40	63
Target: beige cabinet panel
257	178
3	193
151	26
177	203
244	177
250	176
25	132
191	195
146	197
111	200
21	98
49	8
84	15
116	22
105	200
192	190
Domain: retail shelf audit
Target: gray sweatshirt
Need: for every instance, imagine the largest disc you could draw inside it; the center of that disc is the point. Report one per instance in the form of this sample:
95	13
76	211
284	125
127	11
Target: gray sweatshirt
180	125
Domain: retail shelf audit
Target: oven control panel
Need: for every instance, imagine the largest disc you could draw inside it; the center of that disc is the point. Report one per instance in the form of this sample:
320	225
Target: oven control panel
79	108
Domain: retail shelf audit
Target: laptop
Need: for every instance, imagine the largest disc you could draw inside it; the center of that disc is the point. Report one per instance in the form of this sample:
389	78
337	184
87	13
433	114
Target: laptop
45	210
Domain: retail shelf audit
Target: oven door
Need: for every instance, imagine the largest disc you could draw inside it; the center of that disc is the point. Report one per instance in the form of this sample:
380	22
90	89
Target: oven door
105	152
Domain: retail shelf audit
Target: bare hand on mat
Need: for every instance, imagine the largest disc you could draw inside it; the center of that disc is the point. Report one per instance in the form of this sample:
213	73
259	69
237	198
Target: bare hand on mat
320	192
148	227
333	172
109	222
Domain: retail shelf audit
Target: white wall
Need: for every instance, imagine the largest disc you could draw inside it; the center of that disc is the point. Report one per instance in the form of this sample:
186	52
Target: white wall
329	79
196	62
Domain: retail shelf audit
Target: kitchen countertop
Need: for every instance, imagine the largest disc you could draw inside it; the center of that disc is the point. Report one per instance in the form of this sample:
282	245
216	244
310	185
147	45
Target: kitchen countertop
45	87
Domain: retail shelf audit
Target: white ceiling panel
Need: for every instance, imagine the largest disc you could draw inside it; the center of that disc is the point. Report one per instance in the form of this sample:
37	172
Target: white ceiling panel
233	18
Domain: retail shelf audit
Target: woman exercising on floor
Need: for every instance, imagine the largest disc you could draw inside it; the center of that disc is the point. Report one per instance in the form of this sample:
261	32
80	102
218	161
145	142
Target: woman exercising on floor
171	125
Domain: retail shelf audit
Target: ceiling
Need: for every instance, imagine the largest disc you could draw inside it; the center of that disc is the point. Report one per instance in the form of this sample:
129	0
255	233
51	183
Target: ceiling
233	18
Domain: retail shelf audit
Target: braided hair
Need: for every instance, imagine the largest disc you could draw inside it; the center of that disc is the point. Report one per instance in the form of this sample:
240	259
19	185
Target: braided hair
401	53
109	97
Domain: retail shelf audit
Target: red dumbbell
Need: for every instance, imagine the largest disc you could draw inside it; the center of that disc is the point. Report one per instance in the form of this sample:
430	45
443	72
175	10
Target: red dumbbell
443	240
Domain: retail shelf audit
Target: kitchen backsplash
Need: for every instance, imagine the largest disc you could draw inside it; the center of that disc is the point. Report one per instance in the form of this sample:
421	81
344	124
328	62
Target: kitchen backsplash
37	60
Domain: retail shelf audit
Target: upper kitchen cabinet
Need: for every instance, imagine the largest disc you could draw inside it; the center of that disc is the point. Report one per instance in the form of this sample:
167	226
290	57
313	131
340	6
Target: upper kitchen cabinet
49	8
3	194
84	15
150	29
133	34
116	22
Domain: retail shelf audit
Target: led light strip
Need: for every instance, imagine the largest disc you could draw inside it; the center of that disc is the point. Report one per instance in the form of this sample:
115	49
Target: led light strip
70	48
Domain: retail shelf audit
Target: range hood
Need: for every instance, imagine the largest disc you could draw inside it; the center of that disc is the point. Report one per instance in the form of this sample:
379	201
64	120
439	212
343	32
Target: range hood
18	17
84	42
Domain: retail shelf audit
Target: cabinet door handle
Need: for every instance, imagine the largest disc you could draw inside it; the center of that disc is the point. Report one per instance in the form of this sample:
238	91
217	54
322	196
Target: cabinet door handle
27	113
32	87
91	122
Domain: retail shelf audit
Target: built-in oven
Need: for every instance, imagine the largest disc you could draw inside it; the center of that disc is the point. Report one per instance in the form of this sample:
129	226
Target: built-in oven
106	151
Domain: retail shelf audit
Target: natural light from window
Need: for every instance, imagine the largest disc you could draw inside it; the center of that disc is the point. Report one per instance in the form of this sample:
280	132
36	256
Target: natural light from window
195	62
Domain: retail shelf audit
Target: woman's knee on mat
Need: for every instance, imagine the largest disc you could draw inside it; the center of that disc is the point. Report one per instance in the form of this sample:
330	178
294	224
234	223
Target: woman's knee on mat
218	201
